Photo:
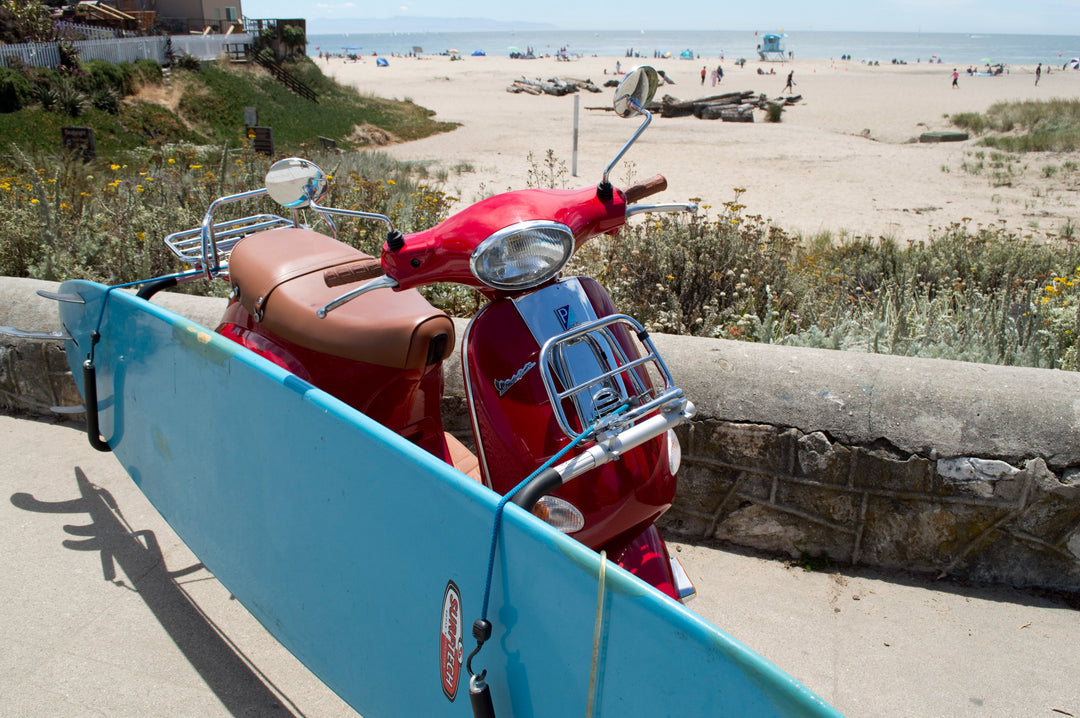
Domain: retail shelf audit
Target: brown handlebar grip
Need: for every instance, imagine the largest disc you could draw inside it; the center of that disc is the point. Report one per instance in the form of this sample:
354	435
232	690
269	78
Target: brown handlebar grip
643	189
352	272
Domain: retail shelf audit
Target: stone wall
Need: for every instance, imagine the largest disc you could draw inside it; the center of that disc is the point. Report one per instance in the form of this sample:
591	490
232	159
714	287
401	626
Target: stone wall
939	467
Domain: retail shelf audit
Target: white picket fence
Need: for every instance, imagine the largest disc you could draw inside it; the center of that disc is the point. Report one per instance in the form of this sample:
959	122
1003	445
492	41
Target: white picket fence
89	32
117	50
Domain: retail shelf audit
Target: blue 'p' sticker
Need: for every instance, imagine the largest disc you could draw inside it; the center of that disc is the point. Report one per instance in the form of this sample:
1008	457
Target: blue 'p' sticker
566	316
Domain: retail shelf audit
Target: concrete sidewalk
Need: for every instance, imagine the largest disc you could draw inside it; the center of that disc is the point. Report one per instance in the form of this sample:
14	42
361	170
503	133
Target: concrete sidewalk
108	614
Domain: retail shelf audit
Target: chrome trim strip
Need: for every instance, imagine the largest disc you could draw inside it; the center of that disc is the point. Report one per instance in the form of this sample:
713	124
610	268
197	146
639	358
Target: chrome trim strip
470	399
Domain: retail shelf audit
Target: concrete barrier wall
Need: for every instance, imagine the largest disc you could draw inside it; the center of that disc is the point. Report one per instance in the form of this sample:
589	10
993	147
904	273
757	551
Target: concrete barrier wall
948	468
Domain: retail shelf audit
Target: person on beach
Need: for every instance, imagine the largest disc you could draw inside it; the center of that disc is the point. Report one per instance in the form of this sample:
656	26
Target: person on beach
719	73
702	75
955	78
790	86
1038	74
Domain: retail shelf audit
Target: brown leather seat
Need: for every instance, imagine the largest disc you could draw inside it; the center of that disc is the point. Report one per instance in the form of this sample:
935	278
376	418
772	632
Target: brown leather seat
280	278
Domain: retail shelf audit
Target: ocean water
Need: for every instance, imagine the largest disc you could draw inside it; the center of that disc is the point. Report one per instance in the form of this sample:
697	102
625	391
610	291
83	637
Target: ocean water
884	47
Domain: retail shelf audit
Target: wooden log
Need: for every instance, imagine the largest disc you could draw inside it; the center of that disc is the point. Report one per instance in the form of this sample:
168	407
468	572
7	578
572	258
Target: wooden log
735	114
527	87
710	112
587	85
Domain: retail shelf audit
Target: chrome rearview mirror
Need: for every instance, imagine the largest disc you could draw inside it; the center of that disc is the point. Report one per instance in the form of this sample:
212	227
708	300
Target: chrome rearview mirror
296	183
635	91
631	96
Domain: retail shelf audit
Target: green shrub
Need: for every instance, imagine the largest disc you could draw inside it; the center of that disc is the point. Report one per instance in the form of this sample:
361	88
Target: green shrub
15	90
1044	126
107	100
69	98
293	37
972	121
146	72
99	75
69	55
46	96
189	63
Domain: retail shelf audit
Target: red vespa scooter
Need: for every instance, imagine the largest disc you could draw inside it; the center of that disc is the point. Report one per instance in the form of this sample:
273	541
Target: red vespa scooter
548	363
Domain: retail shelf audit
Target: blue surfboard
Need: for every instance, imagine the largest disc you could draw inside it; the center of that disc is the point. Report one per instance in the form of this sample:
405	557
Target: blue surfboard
365	556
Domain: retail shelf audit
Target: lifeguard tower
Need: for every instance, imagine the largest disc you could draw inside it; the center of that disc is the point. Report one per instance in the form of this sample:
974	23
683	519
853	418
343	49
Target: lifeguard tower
771	48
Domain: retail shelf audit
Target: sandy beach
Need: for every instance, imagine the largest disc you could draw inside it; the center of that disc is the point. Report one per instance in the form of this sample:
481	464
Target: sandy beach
844	160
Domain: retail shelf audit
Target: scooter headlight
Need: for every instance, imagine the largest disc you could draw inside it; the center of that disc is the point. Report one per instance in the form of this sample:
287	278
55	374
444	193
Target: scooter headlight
523	255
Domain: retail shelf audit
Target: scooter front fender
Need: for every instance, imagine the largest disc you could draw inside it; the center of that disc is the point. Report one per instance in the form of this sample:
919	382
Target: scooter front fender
647	558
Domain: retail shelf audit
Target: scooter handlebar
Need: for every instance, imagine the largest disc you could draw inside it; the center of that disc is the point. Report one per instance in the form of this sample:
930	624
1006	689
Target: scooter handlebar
649	187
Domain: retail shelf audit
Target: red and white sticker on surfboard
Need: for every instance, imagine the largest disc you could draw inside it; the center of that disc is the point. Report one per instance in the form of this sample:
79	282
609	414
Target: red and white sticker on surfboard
451	650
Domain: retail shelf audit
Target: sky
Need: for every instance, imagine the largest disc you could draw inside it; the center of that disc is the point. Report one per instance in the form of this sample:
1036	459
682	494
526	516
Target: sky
1040	17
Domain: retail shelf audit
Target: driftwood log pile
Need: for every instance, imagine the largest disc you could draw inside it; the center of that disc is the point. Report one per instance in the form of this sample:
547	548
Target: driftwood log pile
729	107
558	86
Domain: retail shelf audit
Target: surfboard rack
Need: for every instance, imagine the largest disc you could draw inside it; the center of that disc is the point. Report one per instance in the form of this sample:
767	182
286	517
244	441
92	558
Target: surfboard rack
93	431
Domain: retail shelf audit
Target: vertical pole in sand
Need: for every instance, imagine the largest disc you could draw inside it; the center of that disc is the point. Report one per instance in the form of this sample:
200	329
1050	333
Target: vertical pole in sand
573	164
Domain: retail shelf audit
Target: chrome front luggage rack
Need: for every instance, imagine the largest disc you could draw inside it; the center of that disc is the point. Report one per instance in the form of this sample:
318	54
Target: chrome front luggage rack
602	381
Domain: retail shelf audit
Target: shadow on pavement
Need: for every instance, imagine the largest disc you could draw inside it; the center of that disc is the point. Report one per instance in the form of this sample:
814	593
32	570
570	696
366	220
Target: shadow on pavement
237	684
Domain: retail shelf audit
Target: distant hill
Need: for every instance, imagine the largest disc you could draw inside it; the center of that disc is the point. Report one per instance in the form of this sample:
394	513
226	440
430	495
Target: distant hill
419	24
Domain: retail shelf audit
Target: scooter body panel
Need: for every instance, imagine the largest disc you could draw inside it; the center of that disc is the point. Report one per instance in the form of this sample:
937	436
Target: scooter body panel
442	253
406	401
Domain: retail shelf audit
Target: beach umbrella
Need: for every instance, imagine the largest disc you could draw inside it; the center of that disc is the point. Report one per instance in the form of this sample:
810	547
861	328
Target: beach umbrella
1075	63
